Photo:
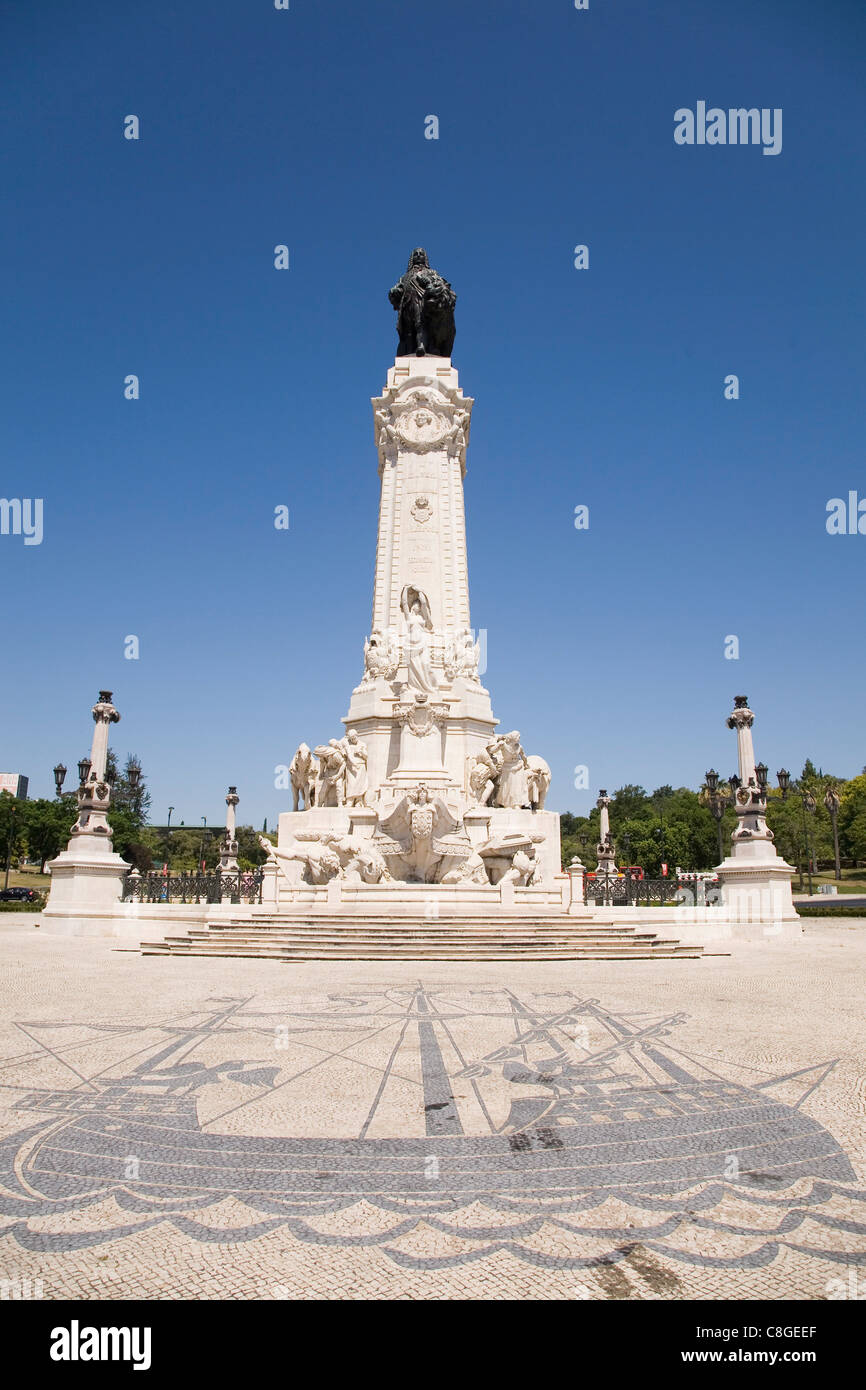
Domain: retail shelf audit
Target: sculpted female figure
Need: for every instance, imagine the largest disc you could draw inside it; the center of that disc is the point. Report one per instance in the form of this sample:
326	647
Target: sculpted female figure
419	625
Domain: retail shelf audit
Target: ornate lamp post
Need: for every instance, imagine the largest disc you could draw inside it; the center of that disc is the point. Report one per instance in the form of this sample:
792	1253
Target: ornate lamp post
86	877
810	805
783	777
229	847
755	880
717	803
201	846
605	849
168	836
13	815
832	801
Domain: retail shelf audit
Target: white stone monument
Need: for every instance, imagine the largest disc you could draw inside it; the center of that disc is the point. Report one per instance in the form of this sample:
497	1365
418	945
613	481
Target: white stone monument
86	877
421	777
755	880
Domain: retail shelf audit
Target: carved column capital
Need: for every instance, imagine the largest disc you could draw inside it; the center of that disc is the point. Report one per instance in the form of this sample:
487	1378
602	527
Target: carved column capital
103	711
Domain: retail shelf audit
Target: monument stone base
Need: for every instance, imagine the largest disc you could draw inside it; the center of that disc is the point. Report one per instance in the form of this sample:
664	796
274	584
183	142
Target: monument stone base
86	884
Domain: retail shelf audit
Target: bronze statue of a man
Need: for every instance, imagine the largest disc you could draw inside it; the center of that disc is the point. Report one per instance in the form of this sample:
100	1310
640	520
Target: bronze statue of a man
425	310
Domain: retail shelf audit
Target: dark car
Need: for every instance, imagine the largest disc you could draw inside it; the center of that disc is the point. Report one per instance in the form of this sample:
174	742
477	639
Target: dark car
17	895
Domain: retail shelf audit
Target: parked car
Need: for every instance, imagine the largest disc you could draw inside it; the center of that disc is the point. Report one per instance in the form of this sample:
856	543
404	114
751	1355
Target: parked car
18	895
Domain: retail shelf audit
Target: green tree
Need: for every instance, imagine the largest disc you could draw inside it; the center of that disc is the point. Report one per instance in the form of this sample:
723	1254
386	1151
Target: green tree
48	824
250	852
852	818
124	796
13	840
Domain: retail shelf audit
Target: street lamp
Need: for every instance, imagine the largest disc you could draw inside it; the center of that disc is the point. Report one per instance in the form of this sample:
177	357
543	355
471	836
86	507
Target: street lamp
810	805
59	776
168	836
832	801
12	818
201	847
783	777
84	766
718	801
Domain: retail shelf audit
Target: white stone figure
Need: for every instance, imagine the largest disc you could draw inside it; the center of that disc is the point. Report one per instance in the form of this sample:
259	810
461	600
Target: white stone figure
457	432
419	627
462	656
303	771
537	877
512	784
381	657
356	756
471	871
521	870
320	861
332	766
386	435
539	781
481	774
361	861
424	834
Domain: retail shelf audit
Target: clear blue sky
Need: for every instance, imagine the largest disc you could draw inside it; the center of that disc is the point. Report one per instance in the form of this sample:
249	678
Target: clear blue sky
602	387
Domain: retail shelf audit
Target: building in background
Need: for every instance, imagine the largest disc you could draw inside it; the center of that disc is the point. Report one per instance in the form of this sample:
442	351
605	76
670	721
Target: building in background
15	784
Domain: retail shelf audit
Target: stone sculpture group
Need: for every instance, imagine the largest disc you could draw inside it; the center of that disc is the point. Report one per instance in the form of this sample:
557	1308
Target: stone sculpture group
335	774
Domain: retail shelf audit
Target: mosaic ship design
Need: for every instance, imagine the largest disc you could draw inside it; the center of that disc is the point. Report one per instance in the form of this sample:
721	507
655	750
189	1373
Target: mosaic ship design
581	1105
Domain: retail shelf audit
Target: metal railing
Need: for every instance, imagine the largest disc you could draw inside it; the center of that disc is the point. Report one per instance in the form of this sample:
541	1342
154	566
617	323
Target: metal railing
608	891
245	885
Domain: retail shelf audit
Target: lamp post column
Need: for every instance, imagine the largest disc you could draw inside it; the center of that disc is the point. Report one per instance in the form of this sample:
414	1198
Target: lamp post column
86	877
755	880
605	849
229	847
832	801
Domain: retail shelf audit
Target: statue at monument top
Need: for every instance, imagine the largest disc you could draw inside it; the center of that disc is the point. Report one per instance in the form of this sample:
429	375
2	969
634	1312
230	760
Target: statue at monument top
425	310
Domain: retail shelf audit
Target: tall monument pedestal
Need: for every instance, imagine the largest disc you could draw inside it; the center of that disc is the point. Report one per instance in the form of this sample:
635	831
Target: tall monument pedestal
430	804
755	880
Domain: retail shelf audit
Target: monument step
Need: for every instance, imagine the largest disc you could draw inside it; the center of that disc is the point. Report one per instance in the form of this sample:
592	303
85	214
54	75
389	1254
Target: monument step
414	953
420	938
349	942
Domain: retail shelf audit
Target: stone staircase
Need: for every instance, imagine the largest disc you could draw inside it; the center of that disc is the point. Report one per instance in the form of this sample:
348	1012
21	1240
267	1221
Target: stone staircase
324	937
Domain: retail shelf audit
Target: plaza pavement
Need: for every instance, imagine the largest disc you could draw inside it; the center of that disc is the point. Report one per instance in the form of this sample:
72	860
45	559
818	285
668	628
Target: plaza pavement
242	1129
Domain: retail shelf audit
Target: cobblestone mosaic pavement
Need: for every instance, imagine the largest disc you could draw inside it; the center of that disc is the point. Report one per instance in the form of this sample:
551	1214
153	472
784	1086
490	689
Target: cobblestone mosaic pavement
212	1128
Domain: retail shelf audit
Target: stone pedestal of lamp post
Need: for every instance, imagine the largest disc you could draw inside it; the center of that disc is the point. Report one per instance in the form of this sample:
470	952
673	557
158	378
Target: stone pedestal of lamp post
87	877
755	880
